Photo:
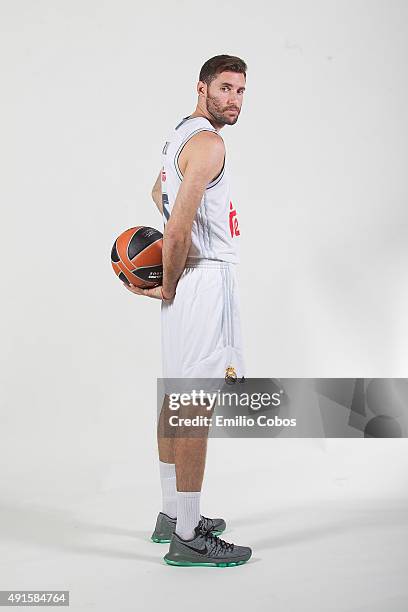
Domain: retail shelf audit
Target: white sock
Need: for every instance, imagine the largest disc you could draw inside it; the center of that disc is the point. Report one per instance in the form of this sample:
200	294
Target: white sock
188	513
169	488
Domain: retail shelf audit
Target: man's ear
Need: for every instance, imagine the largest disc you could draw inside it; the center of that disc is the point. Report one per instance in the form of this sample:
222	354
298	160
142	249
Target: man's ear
201	88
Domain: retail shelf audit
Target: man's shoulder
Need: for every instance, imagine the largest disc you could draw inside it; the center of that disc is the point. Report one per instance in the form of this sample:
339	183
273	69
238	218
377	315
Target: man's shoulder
204	142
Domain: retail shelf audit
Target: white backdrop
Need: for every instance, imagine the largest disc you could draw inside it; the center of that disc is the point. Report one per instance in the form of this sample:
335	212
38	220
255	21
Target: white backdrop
318	160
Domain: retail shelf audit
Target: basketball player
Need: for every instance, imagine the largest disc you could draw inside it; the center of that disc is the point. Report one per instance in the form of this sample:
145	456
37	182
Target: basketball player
200	317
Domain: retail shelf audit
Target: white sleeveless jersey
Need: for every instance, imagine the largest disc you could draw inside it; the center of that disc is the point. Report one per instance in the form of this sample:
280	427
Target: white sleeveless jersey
215	229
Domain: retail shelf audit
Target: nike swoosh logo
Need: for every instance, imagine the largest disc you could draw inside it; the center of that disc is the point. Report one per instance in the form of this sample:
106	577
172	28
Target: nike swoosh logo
200	551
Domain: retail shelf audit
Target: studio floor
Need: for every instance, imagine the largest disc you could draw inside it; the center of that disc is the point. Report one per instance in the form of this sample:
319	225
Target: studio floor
323	539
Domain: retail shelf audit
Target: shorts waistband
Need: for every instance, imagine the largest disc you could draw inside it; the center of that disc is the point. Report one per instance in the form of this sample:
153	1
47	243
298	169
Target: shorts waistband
195	262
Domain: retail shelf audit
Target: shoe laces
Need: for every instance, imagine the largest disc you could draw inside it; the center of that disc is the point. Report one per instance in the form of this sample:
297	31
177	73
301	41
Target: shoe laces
207	522
216	542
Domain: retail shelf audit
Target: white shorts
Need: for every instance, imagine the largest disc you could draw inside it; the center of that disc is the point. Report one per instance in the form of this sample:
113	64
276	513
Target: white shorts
201	330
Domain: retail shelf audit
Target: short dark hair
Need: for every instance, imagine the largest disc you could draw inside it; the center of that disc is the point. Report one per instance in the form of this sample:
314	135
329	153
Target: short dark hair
221	63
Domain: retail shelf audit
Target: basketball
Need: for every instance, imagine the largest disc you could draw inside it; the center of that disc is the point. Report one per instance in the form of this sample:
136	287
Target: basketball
137	257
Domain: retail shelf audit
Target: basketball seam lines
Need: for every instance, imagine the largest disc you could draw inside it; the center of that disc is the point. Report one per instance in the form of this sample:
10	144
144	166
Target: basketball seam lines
130	240
146	247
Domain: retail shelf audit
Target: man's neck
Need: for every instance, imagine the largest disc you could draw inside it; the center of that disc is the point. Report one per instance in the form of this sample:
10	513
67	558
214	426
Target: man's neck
199	113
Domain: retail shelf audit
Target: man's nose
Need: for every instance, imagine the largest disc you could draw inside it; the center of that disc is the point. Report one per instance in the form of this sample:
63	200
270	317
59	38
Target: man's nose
233	99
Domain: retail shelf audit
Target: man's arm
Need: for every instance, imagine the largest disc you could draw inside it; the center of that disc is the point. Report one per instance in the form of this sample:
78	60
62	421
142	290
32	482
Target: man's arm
157	193
204	157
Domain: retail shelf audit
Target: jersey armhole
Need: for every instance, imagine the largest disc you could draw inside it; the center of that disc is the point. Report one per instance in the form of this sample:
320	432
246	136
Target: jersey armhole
177	155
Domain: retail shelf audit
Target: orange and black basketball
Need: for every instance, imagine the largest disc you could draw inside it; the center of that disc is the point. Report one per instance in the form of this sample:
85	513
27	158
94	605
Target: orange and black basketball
137	257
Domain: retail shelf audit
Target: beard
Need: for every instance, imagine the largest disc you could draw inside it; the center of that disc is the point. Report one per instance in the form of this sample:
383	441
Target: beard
220	113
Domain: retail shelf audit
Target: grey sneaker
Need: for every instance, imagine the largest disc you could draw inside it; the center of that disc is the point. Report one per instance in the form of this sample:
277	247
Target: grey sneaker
165	526
205	549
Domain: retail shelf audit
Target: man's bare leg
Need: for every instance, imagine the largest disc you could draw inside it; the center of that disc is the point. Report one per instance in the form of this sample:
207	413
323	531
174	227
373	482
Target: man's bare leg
177	447
186	447
165	434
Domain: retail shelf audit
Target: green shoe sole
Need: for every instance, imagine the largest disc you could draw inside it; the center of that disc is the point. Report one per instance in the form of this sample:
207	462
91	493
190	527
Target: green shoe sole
159	541
190	564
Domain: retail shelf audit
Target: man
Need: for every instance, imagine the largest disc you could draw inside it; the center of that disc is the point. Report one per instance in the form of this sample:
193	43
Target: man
200	317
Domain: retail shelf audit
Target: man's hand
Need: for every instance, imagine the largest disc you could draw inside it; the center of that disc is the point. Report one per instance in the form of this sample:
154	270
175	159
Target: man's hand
154	292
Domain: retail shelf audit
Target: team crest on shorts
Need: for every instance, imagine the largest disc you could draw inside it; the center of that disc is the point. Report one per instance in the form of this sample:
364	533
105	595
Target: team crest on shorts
230	375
